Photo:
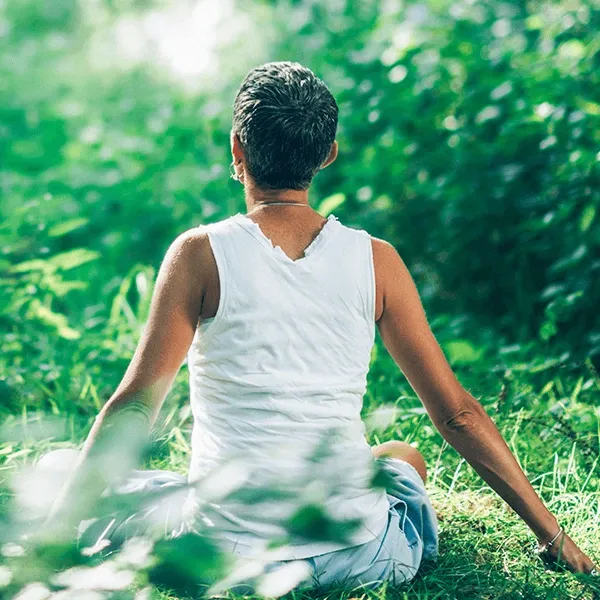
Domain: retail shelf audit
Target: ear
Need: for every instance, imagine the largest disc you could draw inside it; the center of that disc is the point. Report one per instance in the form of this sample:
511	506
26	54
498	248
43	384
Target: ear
236	148
333	153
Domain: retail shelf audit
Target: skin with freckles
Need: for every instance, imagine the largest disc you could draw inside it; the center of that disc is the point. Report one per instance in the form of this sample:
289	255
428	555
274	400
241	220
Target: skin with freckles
187	291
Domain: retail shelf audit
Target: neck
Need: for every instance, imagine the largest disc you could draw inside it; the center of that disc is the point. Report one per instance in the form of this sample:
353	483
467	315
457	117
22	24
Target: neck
256	196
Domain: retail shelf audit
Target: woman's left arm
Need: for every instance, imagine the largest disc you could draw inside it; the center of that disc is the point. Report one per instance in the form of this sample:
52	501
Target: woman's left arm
122	426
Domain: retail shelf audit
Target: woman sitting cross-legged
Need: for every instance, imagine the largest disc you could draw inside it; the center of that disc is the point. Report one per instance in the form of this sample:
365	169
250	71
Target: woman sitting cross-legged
276	310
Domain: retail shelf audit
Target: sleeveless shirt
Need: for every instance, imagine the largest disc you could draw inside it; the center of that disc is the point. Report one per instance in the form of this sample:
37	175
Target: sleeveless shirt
277	378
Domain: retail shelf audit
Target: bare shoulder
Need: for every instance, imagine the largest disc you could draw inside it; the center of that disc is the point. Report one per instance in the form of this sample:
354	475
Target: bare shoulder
383	251
189	253
388	263
187	264
190	244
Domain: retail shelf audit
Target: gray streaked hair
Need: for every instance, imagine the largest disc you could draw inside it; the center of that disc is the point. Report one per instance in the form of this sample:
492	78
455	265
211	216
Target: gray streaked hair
286	120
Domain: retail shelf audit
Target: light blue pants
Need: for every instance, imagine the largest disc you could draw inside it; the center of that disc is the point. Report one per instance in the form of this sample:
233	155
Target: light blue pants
410	536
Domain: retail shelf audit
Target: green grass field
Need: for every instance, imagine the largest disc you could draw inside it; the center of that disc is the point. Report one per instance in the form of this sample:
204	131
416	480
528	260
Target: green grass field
469	135
548	413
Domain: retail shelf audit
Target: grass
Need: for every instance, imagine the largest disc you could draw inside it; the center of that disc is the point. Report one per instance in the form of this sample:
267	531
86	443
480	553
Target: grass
548	414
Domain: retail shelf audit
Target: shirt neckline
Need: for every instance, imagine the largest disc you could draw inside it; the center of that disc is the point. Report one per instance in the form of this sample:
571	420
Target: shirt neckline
312	249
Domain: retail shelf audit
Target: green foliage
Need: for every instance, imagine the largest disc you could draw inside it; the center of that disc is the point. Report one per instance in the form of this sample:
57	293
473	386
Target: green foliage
469	136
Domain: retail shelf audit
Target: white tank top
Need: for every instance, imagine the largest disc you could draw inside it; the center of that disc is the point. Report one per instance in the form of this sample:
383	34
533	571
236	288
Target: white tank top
277	379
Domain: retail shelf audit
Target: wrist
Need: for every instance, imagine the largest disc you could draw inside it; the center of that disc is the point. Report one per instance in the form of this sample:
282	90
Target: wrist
554	541
546	530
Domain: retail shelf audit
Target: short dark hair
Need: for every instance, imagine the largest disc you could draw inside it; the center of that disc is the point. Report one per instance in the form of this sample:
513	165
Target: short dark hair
286	120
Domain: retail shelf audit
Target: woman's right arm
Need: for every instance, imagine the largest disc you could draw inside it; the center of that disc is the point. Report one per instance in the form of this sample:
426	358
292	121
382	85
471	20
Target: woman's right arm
113	445
457	415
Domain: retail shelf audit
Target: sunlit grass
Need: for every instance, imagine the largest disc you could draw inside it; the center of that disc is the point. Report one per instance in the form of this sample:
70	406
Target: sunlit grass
485	550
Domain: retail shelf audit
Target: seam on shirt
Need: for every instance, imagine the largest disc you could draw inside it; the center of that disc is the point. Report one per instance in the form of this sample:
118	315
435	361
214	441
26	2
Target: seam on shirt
221	264
372	309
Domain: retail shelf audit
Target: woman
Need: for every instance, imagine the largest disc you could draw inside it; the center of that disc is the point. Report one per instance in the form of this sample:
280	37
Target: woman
276	311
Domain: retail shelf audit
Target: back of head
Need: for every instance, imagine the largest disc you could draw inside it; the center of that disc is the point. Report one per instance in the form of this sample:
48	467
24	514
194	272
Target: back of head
286	120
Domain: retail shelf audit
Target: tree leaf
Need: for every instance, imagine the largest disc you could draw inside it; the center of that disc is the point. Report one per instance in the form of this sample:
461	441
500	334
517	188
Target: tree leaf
330	203
36	264
587	217
73	258
65	227
462	352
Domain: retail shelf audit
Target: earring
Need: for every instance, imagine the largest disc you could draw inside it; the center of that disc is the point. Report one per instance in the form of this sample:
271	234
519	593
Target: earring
233	173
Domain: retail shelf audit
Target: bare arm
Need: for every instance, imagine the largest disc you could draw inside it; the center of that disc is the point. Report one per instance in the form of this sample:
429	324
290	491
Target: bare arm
120	429
457	415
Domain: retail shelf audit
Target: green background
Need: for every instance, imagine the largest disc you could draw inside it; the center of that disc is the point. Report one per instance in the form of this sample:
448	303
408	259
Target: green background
469	137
